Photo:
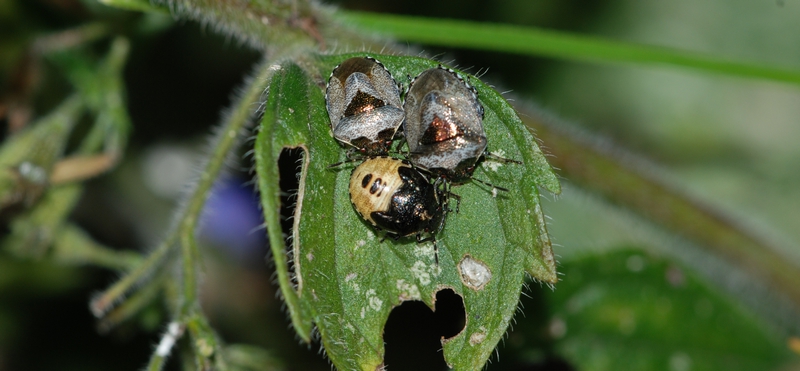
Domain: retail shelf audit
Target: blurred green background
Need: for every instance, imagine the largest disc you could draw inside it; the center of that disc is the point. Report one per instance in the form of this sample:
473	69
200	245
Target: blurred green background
633	296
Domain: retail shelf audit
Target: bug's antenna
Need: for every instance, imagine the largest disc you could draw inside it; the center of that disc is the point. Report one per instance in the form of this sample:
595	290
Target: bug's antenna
494	157
339	164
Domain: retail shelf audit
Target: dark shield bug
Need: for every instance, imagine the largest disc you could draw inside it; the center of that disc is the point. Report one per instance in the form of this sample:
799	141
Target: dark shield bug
363	101
395	197
444	125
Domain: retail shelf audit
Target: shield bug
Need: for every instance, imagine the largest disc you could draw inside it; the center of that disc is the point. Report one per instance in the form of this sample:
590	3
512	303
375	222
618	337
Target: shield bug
363	101
393	196
444	126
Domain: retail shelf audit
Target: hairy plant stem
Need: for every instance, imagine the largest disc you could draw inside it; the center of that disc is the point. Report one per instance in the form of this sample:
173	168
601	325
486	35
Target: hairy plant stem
183	235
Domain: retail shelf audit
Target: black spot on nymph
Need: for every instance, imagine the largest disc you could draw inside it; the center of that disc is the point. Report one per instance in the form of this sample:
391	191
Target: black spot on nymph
365	181
375	186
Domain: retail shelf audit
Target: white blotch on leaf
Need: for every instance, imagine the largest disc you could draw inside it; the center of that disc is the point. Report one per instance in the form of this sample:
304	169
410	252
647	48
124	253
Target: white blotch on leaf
374	302
424	251
478	337
408	291
420	271
474	273
494	165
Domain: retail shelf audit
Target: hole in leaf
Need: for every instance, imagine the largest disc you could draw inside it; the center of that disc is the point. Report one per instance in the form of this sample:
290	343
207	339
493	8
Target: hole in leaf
290	166
413	332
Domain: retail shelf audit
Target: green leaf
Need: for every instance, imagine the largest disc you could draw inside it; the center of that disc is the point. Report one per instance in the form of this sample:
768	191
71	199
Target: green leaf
661	314
347	279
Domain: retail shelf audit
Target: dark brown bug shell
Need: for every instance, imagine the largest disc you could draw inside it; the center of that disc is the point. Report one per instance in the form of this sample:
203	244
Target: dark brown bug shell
364	107
444	125
393	196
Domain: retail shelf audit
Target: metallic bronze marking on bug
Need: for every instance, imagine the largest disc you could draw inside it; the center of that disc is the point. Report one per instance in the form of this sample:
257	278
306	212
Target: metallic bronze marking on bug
363	102
444	125
441	130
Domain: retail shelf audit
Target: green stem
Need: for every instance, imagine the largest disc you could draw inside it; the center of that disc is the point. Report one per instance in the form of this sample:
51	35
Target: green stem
562	45
205	344
226	140
101	303
613	179
171	335
265	24
189	263
73	246
132	305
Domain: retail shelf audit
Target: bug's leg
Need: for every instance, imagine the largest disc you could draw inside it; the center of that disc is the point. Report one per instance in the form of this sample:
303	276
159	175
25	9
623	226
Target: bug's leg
458	201
436	252
378	231
499	188
435	245
400	139
449	194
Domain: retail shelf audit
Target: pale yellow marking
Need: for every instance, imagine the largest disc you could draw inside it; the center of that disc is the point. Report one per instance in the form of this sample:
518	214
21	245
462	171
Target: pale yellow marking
383	168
